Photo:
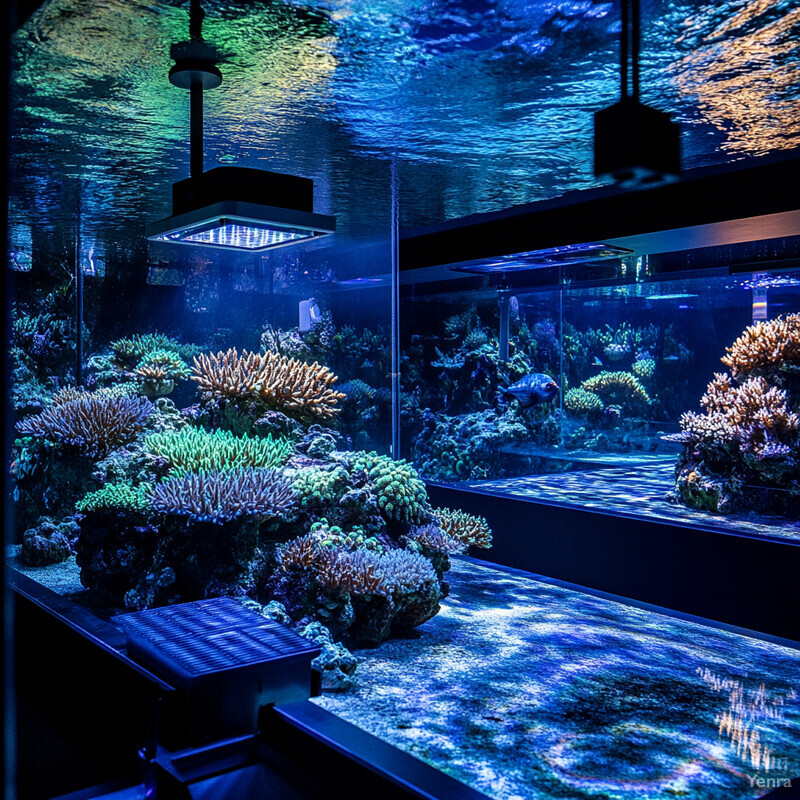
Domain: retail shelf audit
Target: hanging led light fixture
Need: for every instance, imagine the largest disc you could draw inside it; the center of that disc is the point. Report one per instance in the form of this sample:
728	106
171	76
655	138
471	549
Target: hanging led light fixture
637	145
230	207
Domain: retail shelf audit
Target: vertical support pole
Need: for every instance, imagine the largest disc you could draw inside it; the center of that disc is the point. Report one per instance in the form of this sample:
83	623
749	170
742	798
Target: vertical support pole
78	295
395	289
196	128
504	300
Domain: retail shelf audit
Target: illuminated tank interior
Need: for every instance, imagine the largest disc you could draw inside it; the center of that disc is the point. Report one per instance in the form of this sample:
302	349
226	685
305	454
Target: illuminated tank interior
366	438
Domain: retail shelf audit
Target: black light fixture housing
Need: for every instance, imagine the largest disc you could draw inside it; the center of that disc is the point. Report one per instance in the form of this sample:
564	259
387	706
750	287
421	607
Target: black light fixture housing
233	208
637	145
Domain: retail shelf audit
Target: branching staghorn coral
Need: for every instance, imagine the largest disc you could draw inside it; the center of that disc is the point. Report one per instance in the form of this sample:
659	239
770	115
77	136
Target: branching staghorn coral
157	371
277	381
617	387
222	496
433	539
754	415
579	401
361	571
401	494
129	351
769	345
196	450
465	529
116	497
92	424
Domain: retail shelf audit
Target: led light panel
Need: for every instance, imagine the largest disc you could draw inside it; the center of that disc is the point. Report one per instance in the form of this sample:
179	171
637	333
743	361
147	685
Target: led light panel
239	226
243	236
541	259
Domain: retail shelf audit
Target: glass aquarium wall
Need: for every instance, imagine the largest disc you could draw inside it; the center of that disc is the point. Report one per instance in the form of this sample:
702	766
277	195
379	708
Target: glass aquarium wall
647	390
160	389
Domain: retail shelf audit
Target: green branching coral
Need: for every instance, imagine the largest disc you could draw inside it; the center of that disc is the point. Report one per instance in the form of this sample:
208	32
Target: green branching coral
131	350
621	388
196	450
116	497
579	401
167	361
401	494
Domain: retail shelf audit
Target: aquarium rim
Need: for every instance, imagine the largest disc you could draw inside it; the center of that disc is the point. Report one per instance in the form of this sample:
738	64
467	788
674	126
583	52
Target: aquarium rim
693	526
297	225
752	200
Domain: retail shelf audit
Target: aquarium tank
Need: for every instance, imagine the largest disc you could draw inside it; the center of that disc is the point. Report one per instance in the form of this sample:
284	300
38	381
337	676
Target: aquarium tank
250	400
632	384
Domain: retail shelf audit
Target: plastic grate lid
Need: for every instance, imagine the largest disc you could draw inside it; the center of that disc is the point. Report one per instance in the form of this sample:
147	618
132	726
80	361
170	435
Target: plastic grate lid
213	635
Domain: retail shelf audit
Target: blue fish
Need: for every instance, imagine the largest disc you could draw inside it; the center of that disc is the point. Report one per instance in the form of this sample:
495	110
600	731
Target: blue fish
532	389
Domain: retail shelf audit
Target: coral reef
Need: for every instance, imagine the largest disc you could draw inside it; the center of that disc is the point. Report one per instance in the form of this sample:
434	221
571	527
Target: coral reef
618	388
743	451
158	371
766	347
464	529
223	496
197	450
401	494
116	497
276	381
581	402
49	542
92	424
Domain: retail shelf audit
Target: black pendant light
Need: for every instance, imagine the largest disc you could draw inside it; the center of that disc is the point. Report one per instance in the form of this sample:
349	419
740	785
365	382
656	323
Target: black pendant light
230	207
637	145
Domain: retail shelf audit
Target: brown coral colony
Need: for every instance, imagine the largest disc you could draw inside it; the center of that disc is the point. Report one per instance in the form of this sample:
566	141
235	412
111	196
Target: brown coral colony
276	381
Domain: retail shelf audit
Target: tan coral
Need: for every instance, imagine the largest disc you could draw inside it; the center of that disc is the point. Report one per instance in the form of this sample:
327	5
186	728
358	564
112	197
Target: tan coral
465	529
766	345
278	381
755	414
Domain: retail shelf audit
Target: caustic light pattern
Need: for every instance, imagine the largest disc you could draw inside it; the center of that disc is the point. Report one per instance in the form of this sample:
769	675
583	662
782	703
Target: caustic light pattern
523	689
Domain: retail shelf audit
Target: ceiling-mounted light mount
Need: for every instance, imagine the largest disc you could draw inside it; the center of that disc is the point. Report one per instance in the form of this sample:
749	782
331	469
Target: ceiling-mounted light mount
230	207
637	145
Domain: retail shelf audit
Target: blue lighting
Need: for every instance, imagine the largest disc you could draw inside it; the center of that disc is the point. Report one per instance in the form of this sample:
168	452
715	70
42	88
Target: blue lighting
541	259
243	236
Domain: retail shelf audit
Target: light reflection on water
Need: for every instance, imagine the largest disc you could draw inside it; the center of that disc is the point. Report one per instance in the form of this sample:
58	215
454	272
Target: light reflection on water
487	103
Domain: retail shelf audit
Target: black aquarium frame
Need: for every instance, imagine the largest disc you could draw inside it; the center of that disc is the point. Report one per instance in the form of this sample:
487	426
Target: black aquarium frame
729	577
746	581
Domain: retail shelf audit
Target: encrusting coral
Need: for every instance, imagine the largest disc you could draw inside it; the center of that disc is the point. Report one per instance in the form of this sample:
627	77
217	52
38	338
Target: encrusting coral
91	424
222	496
275	380
196	450
765	346
464	529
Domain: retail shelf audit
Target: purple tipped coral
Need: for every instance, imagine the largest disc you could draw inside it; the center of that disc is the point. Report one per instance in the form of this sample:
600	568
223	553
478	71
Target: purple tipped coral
91	424
223	496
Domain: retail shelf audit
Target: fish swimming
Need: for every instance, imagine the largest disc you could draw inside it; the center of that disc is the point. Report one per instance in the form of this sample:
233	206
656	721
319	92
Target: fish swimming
532	389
